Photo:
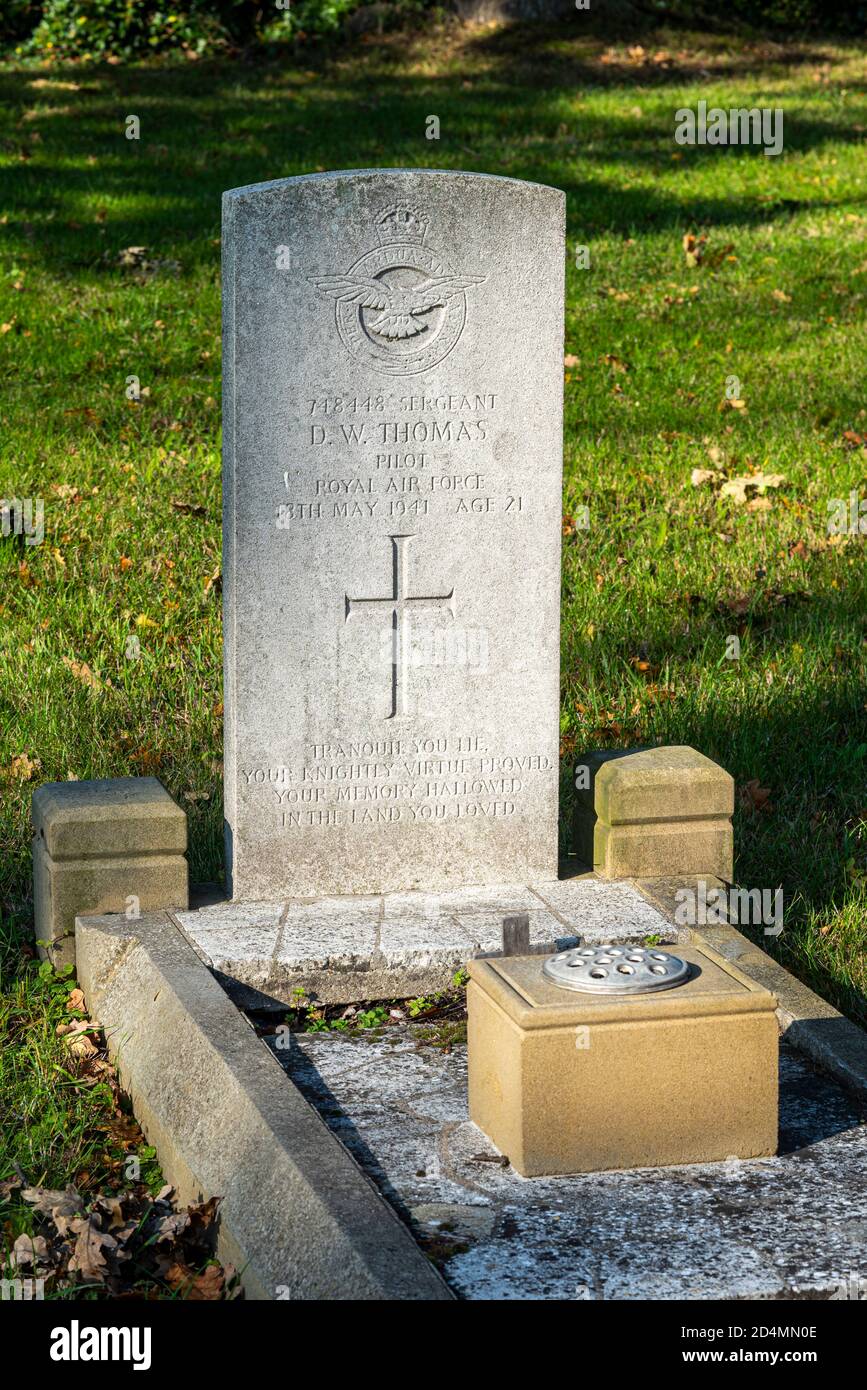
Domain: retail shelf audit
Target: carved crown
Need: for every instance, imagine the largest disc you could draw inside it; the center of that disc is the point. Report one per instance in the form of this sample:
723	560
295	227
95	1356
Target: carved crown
401	223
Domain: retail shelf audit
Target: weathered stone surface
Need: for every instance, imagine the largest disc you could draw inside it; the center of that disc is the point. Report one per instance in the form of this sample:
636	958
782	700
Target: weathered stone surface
298	1219
654	812
63	889
598	910
566	1082
116	815
343	949
114	845
793	1226
392	483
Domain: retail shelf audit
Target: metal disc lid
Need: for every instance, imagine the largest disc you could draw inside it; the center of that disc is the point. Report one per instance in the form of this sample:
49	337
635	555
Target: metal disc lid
615	969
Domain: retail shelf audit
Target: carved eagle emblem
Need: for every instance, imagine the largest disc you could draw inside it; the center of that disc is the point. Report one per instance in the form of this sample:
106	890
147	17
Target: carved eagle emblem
401	309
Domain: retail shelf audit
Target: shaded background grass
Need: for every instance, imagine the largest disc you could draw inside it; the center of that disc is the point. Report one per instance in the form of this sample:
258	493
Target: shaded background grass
664	574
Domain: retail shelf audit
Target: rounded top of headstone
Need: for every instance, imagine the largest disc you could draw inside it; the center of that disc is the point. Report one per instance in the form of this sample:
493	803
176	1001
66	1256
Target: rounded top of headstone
420	177
616	969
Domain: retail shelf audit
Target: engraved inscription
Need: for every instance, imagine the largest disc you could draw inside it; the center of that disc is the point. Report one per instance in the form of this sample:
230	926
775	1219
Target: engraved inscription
403	780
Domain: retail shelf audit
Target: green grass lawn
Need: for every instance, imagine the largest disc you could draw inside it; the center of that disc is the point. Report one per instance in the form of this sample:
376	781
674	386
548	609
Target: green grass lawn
665	573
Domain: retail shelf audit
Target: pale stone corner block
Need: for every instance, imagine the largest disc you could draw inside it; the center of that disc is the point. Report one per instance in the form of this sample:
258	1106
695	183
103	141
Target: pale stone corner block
655	812
115	845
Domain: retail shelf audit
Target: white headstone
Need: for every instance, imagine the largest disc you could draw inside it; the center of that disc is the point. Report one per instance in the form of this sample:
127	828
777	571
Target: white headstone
393	375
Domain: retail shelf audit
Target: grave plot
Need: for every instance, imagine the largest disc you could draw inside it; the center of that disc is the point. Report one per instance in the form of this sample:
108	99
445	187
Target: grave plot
392	518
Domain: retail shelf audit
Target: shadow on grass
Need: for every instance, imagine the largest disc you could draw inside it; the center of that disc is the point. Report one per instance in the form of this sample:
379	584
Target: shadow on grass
672	57
220	125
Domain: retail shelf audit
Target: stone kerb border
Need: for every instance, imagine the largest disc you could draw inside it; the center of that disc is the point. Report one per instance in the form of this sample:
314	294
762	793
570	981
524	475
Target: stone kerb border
298	1218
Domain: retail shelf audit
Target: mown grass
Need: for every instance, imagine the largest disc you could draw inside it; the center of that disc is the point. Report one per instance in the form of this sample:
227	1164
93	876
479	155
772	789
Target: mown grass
665	573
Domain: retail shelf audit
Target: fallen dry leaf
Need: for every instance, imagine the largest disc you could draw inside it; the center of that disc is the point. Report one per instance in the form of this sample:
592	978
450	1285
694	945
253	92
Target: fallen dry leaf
616	363
23	768
193	508
62	1206
693	249
208	1285
136	258
111	1209
737	488
214	582
75	1036
88	1258
853	440
754	797
169	1227
203	1215
738	606
131	256
30	1252
66	492
83	673
699	476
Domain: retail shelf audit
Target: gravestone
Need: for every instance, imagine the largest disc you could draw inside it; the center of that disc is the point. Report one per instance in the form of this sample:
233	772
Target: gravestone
393	367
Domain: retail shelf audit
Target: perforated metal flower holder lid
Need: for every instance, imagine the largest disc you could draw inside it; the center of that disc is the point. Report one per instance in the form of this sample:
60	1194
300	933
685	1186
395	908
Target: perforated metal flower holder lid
616	969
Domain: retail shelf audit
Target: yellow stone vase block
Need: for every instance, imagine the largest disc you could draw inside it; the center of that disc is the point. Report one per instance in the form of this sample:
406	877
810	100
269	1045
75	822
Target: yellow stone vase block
568	1082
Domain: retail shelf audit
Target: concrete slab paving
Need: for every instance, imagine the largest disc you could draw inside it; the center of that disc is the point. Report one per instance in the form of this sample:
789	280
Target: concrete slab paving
789	1227
341	949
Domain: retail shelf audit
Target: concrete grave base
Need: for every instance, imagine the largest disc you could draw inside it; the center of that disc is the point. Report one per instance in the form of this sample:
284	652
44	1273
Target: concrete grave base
302	1219
104	846
339	950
